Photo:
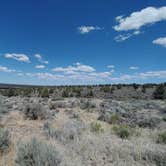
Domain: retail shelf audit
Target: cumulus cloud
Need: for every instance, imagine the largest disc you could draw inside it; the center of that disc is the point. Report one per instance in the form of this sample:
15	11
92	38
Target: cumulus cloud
46	62
77	73
160	41
20	74
78	78
87	29
39	66
98	77
40	58
136	20
18	57
76	68
157	74
105	74
133	67
6	69
111	66
161	74
123	37
48	76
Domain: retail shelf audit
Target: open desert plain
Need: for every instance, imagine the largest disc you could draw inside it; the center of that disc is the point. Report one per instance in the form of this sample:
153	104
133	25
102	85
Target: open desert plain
83	125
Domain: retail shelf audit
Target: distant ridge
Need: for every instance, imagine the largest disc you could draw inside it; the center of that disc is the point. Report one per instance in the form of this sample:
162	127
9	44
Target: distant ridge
6	86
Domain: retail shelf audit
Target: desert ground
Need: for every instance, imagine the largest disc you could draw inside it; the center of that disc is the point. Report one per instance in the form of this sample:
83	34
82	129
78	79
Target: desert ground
83	130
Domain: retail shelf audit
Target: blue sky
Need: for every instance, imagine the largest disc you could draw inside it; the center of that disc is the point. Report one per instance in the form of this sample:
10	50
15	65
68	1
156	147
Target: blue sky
53	42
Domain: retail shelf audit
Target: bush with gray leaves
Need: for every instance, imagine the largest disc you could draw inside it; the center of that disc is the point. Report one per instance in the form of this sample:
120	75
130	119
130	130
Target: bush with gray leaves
37	153
35	111
5	141
70	131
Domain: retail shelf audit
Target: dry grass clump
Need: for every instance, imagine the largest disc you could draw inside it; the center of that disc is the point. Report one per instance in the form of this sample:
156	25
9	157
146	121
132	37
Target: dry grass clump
51	106
37	153
87	104
158	157
123	131
96	127
110	118
4	108
101	150
70	131
35	111
60	104
161	137
149	122
5	140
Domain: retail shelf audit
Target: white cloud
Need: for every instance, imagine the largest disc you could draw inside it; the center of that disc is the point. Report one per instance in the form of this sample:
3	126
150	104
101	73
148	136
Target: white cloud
98	77
140	18
160	41
18	57
40	59
20	74
140	76
76	68
157	74
136	32
133	67
38	56
105	74
48	76
111	66
87	29
46	62
84	68
118	18
121	38
39	66
5	69
45	76
77	73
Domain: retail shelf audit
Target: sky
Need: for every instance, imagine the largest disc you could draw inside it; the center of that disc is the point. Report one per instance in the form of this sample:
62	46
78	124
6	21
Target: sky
61	42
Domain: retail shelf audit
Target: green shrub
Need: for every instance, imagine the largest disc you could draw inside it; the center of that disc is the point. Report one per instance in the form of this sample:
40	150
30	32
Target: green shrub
65	93
11	92
114	119
161	138
87	104
112	89
27	92
119	86
164	118
51	91
105	89
37	153
52	106
143	89
96	127
135	86
4	140
122	131
44	93
35	111
160	92
90	94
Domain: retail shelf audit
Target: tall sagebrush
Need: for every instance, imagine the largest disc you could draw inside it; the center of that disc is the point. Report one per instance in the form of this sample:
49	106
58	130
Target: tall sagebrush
37	153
